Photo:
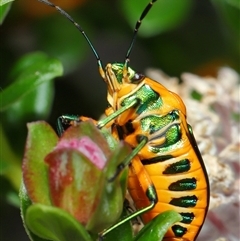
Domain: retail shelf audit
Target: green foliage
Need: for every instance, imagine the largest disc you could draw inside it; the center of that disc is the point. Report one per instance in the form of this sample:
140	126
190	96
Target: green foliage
164	15
156	229
229	12
40	141
28	75
176	36
121	233
10	166
52	223
4	9
58	176
31	81
25	203
69	50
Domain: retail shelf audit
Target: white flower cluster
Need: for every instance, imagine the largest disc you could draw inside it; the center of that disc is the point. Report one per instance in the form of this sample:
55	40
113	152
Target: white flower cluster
213	114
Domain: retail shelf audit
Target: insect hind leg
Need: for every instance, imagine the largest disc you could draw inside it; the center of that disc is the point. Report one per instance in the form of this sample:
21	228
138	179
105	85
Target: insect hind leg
147	189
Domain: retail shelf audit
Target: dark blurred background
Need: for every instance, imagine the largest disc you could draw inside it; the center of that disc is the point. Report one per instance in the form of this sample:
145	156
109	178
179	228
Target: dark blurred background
197	36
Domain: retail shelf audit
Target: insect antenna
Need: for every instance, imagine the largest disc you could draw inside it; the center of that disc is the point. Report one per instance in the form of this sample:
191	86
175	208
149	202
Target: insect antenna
137	26
65	14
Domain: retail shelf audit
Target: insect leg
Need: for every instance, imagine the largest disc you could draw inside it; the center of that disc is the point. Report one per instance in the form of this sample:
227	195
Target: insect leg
129	158
66	120
128	206
147	188
115	114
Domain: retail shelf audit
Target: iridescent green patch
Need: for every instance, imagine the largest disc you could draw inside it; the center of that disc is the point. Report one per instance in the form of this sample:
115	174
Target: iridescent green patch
186	201
178	230
153	123
150	100
187	217
178	167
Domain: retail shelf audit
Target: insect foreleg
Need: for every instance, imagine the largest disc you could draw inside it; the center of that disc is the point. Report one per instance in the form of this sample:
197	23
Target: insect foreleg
118	112
66	120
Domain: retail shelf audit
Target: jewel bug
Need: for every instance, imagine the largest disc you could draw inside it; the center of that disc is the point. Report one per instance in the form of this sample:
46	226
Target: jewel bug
166	170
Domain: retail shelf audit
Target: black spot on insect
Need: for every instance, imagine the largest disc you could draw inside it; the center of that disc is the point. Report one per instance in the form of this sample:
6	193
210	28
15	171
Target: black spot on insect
137	78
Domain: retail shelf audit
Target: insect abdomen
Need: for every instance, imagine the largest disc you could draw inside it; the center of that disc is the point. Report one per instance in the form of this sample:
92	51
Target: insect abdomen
173	163
183	191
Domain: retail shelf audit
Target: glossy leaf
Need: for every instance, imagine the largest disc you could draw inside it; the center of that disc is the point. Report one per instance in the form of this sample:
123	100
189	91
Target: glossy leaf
25	203
123	232
5	6
157	228
3	2
41	140
34	105
164	16
31	72
52	223
112	197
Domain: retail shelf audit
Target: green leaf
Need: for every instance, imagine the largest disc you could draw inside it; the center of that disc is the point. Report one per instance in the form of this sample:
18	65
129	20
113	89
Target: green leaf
25	203
3	2
123	232
30	72
34	105
164	15
7	157
4	9
10	166
157	228
112	197
230	11
41	140
76	190
112	143
8	193
54	224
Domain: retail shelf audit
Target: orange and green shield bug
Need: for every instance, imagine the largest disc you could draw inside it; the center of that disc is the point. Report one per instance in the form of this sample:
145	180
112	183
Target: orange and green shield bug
166	170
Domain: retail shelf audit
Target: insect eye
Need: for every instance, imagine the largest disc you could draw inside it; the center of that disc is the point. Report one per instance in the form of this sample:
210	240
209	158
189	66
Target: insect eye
137	78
